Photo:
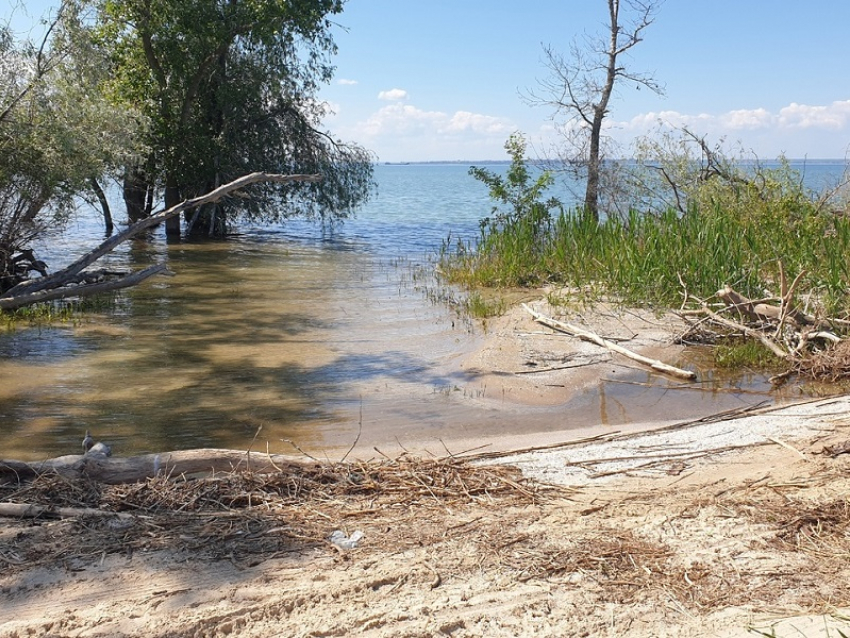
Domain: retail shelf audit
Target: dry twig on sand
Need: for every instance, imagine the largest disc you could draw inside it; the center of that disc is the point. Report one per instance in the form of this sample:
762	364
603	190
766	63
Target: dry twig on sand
592	337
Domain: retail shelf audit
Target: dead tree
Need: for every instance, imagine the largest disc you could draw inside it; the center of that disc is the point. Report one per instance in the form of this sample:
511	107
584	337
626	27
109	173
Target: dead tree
580	87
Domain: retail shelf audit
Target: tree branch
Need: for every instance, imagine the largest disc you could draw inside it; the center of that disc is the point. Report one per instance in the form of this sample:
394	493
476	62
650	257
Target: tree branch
61	276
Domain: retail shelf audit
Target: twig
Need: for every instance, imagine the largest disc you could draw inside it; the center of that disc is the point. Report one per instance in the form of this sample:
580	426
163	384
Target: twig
359	432
295	445
788	447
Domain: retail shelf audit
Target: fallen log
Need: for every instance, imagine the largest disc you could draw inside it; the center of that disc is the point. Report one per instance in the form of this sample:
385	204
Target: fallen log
22	294
761	311
769	343
116	470
592	337
28	510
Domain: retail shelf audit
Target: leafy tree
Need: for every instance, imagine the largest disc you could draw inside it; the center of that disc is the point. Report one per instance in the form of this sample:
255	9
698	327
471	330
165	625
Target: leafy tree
517	190
680	170
58	135
580	88
516	236
230	87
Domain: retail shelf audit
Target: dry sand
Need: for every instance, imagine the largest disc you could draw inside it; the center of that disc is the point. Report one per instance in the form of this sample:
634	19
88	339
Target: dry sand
736	527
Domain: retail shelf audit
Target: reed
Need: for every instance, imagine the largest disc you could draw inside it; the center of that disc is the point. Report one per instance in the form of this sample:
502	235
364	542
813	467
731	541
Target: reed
644	258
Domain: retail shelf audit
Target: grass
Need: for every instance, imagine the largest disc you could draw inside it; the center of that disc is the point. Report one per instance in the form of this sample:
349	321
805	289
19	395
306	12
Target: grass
51	312
645	259
735	354
481	306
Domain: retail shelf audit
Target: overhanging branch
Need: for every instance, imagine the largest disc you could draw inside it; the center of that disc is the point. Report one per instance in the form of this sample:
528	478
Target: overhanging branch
54	286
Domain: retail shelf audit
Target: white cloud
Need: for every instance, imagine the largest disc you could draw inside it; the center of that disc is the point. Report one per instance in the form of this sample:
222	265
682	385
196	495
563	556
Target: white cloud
401	131
835	116
406	119
463	121
344	82
748	119
393	95
401	118
797	130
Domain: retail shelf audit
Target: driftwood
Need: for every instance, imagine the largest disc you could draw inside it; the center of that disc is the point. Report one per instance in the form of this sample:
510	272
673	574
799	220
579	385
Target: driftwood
784	330
768	342
29	510
117	470
760	310
56	285
808	345
592	337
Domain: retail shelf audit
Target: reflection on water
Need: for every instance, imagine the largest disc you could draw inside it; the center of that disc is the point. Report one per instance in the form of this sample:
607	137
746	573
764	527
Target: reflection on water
289	338
314	336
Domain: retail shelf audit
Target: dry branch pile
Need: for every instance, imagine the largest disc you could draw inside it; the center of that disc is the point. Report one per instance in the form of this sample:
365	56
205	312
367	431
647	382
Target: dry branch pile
809	345
245	515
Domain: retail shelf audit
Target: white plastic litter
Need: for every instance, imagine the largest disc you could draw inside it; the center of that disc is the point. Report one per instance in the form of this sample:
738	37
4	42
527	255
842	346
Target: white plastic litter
339	539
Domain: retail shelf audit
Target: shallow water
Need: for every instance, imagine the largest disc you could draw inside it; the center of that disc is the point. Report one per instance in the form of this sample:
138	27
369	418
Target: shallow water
286	340
298	335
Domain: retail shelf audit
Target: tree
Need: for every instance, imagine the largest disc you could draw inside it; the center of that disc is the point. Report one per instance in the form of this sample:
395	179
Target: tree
680	170
230	87
58	135
580	88
522	196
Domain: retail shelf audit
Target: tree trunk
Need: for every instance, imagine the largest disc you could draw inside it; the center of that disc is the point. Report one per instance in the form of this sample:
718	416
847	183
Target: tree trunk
591	195
135	191
104	206
172	198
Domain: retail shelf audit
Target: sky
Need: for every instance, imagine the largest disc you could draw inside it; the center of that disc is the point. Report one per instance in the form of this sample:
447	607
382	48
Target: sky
432	80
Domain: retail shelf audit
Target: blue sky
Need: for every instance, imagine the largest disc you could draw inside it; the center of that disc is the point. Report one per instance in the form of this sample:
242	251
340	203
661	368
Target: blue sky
422	80
441	79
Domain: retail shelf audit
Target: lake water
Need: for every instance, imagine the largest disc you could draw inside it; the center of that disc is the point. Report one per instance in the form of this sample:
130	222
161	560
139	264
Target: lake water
296	335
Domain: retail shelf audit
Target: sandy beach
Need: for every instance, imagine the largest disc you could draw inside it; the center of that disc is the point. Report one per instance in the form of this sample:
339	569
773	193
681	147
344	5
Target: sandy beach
732	525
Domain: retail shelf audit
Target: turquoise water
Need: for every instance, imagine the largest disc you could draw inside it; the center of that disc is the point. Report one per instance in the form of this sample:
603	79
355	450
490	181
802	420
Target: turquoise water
297	333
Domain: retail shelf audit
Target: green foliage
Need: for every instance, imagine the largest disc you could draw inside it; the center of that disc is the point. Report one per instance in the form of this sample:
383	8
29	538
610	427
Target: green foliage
736	235
57	132
483	306
516	232
231	88
746	353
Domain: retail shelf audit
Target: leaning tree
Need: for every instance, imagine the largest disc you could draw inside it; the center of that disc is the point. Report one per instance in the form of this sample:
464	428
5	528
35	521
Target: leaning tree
230	87
58	135
580	87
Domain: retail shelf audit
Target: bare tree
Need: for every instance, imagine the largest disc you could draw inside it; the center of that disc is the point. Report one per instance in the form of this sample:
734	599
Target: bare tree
580	87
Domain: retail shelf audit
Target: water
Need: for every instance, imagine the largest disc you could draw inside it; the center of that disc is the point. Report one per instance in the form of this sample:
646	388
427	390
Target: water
302	336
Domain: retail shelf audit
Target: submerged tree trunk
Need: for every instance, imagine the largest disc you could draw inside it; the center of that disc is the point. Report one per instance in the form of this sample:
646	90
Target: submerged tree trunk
104	206
135	194
172	198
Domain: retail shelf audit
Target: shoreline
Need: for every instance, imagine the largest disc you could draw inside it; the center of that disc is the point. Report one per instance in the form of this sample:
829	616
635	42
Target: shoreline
716	526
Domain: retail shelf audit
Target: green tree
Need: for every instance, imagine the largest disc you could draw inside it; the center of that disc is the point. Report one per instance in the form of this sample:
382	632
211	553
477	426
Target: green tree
518	196
58	135
230	87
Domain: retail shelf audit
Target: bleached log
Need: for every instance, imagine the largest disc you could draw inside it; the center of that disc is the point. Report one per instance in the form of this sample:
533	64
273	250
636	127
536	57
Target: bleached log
759	310
116	470
755	334
592	337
